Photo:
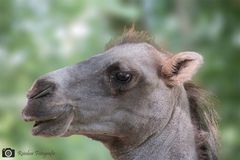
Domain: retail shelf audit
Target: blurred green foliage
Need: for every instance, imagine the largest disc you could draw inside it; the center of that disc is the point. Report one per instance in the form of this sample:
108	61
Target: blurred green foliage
38	36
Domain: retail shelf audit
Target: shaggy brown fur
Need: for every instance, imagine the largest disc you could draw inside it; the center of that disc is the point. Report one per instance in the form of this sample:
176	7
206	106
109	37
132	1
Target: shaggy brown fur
203	114
133	36
204	118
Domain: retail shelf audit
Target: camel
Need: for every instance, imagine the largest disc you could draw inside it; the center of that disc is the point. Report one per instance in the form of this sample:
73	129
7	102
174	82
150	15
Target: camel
136	98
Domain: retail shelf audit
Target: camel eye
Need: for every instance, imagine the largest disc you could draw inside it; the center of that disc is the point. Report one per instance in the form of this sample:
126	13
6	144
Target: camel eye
121	81
122	77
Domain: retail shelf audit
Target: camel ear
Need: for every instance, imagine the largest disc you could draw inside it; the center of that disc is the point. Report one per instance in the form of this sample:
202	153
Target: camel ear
180	68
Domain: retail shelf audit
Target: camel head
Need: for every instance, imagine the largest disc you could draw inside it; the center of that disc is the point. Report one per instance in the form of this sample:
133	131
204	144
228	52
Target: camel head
123	94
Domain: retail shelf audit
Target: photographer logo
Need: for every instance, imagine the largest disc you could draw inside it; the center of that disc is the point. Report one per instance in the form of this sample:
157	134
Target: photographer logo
44	155
8	152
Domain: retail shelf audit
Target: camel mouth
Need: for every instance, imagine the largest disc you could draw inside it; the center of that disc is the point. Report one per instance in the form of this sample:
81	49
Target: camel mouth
39	122
56	126
42	120
53	122
43	124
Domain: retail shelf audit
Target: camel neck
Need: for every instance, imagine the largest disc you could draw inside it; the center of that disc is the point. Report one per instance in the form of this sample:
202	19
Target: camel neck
175	142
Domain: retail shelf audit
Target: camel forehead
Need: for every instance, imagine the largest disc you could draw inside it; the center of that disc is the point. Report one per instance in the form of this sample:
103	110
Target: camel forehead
135	53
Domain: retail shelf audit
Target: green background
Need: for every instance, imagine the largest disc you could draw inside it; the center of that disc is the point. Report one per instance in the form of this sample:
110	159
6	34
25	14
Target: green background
38	36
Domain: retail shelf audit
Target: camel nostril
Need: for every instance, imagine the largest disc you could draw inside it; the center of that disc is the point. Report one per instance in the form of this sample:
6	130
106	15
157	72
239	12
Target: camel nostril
41	88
